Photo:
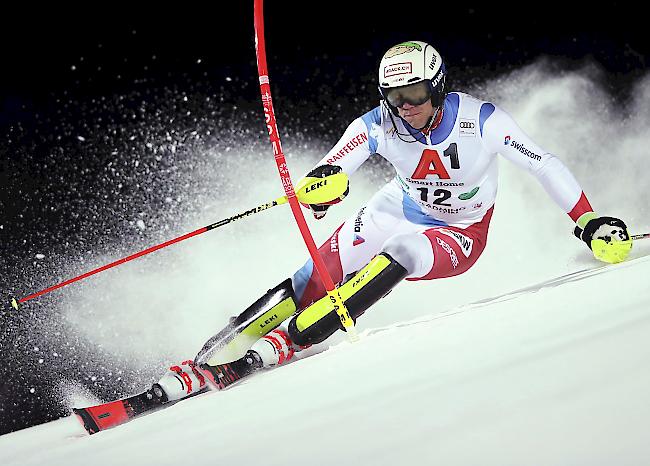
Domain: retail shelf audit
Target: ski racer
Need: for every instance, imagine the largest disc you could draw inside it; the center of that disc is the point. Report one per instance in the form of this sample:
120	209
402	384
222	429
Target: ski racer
430	222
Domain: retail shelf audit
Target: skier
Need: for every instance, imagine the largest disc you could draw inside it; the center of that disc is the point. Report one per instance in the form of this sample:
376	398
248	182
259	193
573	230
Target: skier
431	221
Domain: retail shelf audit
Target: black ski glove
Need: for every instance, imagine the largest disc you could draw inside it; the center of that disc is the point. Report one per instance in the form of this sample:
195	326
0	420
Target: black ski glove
605	228
607	237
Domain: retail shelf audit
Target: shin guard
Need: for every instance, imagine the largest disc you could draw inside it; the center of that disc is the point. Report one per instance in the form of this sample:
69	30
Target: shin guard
264	315
318	321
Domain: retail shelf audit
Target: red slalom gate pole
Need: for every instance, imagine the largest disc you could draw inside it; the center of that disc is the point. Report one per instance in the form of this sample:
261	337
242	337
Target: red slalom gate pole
285	176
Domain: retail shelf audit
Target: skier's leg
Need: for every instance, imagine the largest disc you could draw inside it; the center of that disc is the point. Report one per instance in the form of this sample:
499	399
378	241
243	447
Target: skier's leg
417	255
433	253
371	283
253	338
349	248
305	286
256	339
353	244
269	311
455	250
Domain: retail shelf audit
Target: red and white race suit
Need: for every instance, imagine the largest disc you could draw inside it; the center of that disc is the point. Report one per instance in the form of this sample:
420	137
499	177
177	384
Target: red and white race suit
436	210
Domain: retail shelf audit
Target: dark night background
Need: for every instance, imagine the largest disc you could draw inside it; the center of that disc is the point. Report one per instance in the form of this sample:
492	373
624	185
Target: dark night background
80	71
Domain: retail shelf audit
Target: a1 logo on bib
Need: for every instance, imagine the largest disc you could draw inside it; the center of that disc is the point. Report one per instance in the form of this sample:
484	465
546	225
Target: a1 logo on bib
467	127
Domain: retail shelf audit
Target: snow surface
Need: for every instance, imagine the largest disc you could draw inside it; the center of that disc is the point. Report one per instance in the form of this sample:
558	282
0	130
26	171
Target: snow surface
556	376
551	375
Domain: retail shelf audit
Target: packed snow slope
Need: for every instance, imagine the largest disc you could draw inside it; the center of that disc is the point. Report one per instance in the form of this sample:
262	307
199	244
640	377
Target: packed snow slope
551	374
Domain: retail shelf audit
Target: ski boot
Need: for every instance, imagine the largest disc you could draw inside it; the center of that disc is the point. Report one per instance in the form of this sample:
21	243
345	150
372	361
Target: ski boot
272	349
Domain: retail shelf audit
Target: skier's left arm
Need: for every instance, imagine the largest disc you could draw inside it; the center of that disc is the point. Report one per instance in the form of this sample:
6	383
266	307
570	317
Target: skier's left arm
501	134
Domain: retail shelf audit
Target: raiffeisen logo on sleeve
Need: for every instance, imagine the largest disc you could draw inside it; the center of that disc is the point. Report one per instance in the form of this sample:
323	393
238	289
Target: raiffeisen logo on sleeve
398	68
358	140
521	148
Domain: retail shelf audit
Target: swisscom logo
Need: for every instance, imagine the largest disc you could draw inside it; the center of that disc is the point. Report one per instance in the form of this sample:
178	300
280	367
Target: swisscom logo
521	148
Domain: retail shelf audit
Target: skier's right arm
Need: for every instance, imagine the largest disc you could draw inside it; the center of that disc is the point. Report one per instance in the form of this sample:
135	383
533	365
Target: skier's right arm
347	155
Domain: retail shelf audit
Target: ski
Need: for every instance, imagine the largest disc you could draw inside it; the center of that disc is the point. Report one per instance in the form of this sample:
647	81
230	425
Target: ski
223	375
114	413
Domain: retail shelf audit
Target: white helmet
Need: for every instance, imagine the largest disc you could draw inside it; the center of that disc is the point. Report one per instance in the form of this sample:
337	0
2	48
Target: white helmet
407	64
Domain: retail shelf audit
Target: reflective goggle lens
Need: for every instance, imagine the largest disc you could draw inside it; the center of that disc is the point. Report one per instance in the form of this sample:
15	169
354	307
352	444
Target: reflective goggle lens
415	94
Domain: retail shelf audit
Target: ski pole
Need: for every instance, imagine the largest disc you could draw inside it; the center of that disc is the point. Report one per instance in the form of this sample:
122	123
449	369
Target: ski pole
311	190
640	236
285	176
17	302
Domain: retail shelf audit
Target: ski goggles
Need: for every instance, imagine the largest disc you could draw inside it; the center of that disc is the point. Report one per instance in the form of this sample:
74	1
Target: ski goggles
414	94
